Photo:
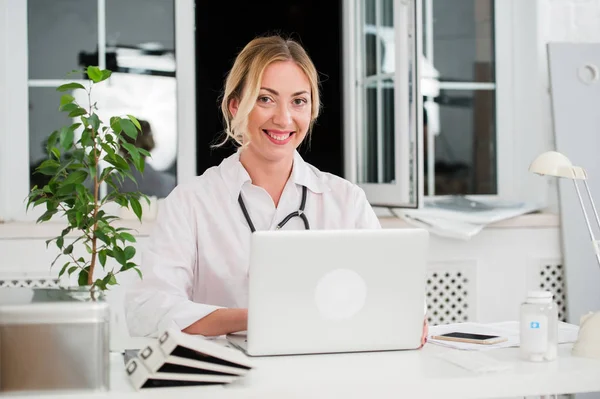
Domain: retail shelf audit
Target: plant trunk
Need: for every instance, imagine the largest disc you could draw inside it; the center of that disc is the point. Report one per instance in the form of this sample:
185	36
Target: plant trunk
94	238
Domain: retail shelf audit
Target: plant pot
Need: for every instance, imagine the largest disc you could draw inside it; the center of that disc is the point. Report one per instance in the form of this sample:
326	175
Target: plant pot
84	293
53	341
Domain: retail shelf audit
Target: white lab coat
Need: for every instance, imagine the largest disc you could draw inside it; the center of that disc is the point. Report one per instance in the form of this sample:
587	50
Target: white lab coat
198	256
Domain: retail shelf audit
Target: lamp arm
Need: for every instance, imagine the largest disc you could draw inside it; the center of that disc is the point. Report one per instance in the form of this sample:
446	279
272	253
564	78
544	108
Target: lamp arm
587	220
589	193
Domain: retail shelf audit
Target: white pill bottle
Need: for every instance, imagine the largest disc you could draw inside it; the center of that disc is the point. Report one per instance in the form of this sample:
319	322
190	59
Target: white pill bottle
539	327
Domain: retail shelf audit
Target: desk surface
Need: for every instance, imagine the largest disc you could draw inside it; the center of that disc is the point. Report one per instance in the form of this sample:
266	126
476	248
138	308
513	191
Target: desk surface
418	374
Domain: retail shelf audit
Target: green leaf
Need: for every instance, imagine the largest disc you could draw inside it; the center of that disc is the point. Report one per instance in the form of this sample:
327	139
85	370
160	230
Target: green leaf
117	160
136	207
94	122
129	252
68	250
119	255
70	107
51	142
66	99
72	269
141	164
76	177
135	122
102	257
59	242
77	112
86	138
55	259
62	271
83	276
103	237
112	280
70	86
129	265
108	149
115	124
94	73
133	151
66	138
127	237
48	167
144	152
40	201
129	128
121	200
139	272
46	216
65	190
106	74
56	152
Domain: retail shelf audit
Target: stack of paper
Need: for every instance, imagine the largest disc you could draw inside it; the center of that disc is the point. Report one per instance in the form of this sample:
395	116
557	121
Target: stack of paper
461	217
510	330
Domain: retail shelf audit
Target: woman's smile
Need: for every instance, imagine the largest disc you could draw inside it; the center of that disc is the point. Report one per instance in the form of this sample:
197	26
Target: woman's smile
279	137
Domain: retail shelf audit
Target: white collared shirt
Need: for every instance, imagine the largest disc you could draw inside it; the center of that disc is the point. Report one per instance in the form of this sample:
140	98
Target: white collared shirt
198	256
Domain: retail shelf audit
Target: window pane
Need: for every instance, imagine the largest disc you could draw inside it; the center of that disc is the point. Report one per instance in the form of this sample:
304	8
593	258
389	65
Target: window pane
44	118
465	149
379	37
387	13
142	57
58	31
463	40
378	138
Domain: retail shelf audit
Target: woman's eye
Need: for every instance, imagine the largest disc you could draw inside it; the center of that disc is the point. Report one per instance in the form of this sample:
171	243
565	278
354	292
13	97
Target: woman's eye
300	101
264	99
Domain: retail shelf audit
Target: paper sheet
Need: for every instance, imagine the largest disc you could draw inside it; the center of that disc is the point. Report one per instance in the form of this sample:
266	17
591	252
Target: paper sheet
509	329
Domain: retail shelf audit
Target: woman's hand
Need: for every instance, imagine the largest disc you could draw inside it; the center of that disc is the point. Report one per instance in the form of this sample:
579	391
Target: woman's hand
425	332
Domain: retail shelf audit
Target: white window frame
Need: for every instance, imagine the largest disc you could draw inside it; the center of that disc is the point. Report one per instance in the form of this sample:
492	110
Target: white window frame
521	96
14	96
398	193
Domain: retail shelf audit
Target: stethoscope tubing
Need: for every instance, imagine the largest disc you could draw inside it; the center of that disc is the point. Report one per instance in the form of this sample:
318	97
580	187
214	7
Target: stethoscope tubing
299	213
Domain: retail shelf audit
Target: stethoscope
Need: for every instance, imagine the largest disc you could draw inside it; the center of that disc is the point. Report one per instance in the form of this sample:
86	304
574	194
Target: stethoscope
300	213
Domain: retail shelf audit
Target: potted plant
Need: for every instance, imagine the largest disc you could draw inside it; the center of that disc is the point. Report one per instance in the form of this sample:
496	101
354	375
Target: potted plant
74	176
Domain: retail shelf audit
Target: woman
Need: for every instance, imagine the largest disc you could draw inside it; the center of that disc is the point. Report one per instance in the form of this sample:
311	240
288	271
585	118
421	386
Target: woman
196	265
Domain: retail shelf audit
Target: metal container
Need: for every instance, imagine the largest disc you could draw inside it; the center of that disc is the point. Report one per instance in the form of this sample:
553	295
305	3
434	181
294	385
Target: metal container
52	341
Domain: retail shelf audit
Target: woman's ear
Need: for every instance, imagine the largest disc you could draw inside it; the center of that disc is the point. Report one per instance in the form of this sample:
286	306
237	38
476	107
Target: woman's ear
233	106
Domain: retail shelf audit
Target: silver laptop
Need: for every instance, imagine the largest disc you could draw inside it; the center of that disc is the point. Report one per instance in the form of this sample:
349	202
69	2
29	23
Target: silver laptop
327	291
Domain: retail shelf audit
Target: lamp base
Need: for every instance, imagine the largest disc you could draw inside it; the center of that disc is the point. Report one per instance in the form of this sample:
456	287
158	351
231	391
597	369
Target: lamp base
588	341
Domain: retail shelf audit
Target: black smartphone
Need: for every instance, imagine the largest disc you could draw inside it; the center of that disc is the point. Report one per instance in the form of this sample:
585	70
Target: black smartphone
470	338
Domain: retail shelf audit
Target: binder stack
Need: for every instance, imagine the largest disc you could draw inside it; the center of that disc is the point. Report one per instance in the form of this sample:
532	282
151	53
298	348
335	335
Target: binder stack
180	359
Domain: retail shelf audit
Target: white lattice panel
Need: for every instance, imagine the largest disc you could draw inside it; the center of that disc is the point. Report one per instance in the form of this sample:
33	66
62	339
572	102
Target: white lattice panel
552	278
450	294
44	282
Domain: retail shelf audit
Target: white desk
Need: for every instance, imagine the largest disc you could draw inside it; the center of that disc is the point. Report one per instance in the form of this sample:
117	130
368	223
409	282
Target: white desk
410	374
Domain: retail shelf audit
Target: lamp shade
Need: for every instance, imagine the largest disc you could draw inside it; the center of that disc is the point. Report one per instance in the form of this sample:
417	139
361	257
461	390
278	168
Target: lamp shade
552	163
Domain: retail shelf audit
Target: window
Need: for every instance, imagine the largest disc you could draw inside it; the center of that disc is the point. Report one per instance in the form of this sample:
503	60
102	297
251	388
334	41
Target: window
137	41
470	100
382	100
460	103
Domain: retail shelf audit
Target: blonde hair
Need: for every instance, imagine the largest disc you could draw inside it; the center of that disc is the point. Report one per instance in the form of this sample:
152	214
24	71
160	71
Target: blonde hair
244	79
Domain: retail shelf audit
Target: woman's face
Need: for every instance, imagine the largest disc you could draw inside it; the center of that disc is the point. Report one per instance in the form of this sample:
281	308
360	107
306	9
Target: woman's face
281	115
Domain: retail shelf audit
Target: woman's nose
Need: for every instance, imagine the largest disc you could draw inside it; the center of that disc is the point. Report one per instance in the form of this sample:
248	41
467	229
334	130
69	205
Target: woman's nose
283	116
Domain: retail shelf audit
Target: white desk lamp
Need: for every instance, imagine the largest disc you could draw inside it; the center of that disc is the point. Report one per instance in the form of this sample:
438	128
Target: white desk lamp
554	163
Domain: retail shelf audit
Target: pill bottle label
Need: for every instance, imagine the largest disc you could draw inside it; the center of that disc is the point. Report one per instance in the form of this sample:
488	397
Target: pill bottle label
534	333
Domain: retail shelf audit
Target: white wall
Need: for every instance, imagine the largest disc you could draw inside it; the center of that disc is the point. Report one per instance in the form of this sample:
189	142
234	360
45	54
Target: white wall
562	21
